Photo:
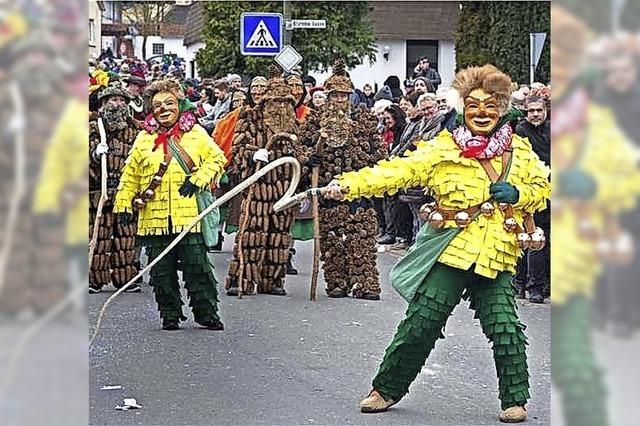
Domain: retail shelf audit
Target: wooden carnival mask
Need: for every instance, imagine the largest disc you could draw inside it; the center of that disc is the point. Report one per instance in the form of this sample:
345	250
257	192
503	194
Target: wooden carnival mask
481	112
165	108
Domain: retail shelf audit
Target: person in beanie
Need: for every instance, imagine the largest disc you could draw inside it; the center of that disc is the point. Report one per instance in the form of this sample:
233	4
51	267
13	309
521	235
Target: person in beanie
155	187
115	257
486	181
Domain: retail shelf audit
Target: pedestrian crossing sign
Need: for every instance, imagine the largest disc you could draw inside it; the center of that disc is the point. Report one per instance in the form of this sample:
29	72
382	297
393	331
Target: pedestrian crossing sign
260	34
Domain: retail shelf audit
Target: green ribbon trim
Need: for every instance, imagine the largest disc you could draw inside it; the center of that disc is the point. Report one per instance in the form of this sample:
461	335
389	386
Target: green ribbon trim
185	105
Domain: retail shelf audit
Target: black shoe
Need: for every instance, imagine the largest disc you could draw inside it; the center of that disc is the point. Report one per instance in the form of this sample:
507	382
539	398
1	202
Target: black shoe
536	298
278	291
170	324
213	324
232	291
370	296
337	292
218	247
94	289
133	288
290	269
387	239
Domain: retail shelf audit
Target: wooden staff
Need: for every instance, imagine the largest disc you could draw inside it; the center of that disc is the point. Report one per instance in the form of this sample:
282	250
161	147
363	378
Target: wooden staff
103	193
316	222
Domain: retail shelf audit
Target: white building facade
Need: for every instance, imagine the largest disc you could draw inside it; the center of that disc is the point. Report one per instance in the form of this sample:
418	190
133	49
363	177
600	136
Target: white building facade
406	31
157	45
395	63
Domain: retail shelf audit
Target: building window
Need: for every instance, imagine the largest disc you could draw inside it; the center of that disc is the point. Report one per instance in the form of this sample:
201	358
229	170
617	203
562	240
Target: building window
92	32
418	48
158	48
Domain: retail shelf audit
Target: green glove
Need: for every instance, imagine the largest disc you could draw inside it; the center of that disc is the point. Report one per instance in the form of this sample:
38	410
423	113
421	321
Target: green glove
504	192
224	180
575	183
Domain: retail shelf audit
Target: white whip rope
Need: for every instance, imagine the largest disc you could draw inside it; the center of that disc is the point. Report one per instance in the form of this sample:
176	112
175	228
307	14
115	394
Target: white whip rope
283	203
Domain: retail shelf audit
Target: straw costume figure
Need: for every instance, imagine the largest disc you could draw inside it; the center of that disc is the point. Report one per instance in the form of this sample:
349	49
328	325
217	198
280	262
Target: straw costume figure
265	132
343	143
115	257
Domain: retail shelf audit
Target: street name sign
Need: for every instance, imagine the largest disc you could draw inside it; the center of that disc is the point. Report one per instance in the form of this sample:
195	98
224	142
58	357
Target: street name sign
291	24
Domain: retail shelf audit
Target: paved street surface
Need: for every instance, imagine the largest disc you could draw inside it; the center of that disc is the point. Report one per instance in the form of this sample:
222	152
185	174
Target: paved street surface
287	360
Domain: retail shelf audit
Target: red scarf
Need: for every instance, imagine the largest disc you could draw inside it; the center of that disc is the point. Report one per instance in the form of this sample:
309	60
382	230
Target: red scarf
163	138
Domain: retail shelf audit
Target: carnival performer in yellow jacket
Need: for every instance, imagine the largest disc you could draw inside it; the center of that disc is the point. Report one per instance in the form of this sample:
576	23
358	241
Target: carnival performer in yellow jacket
172	160
486	182
595	178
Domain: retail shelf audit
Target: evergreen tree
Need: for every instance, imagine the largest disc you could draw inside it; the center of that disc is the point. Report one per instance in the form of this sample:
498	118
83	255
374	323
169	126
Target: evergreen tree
498	33
349	34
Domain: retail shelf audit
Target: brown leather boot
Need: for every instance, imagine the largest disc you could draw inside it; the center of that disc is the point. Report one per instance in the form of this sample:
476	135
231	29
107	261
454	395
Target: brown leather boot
515	414
375	403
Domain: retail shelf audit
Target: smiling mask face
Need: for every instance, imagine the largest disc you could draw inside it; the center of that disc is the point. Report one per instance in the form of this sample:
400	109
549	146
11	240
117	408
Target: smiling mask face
481	113
166	108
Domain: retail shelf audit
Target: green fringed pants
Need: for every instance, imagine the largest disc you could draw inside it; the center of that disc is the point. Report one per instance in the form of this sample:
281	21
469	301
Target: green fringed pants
574	370
190	256
495	307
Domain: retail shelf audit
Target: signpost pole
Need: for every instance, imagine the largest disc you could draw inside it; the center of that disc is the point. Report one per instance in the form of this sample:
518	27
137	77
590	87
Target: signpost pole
286	13
532	57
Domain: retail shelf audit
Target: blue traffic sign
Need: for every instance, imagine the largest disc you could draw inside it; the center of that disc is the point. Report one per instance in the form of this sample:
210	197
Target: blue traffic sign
260	34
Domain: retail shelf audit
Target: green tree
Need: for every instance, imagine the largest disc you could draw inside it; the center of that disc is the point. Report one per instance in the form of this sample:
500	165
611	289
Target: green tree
498	33
349	34
472	43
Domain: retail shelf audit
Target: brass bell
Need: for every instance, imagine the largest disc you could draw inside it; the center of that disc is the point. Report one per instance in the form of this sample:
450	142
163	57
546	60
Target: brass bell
149	193
503	206
538	240
510	224
436	220
487	208
426	210
157	179
462	219
524	240
138	203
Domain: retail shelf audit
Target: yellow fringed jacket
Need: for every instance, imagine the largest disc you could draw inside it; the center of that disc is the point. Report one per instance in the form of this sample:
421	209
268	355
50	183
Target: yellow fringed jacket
612	161
142	164
458	183
62	185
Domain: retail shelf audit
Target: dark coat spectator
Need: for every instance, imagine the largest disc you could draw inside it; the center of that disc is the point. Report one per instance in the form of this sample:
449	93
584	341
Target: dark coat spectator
423	69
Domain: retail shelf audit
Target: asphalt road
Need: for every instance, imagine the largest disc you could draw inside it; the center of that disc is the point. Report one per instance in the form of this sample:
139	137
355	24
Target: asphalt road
287	360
